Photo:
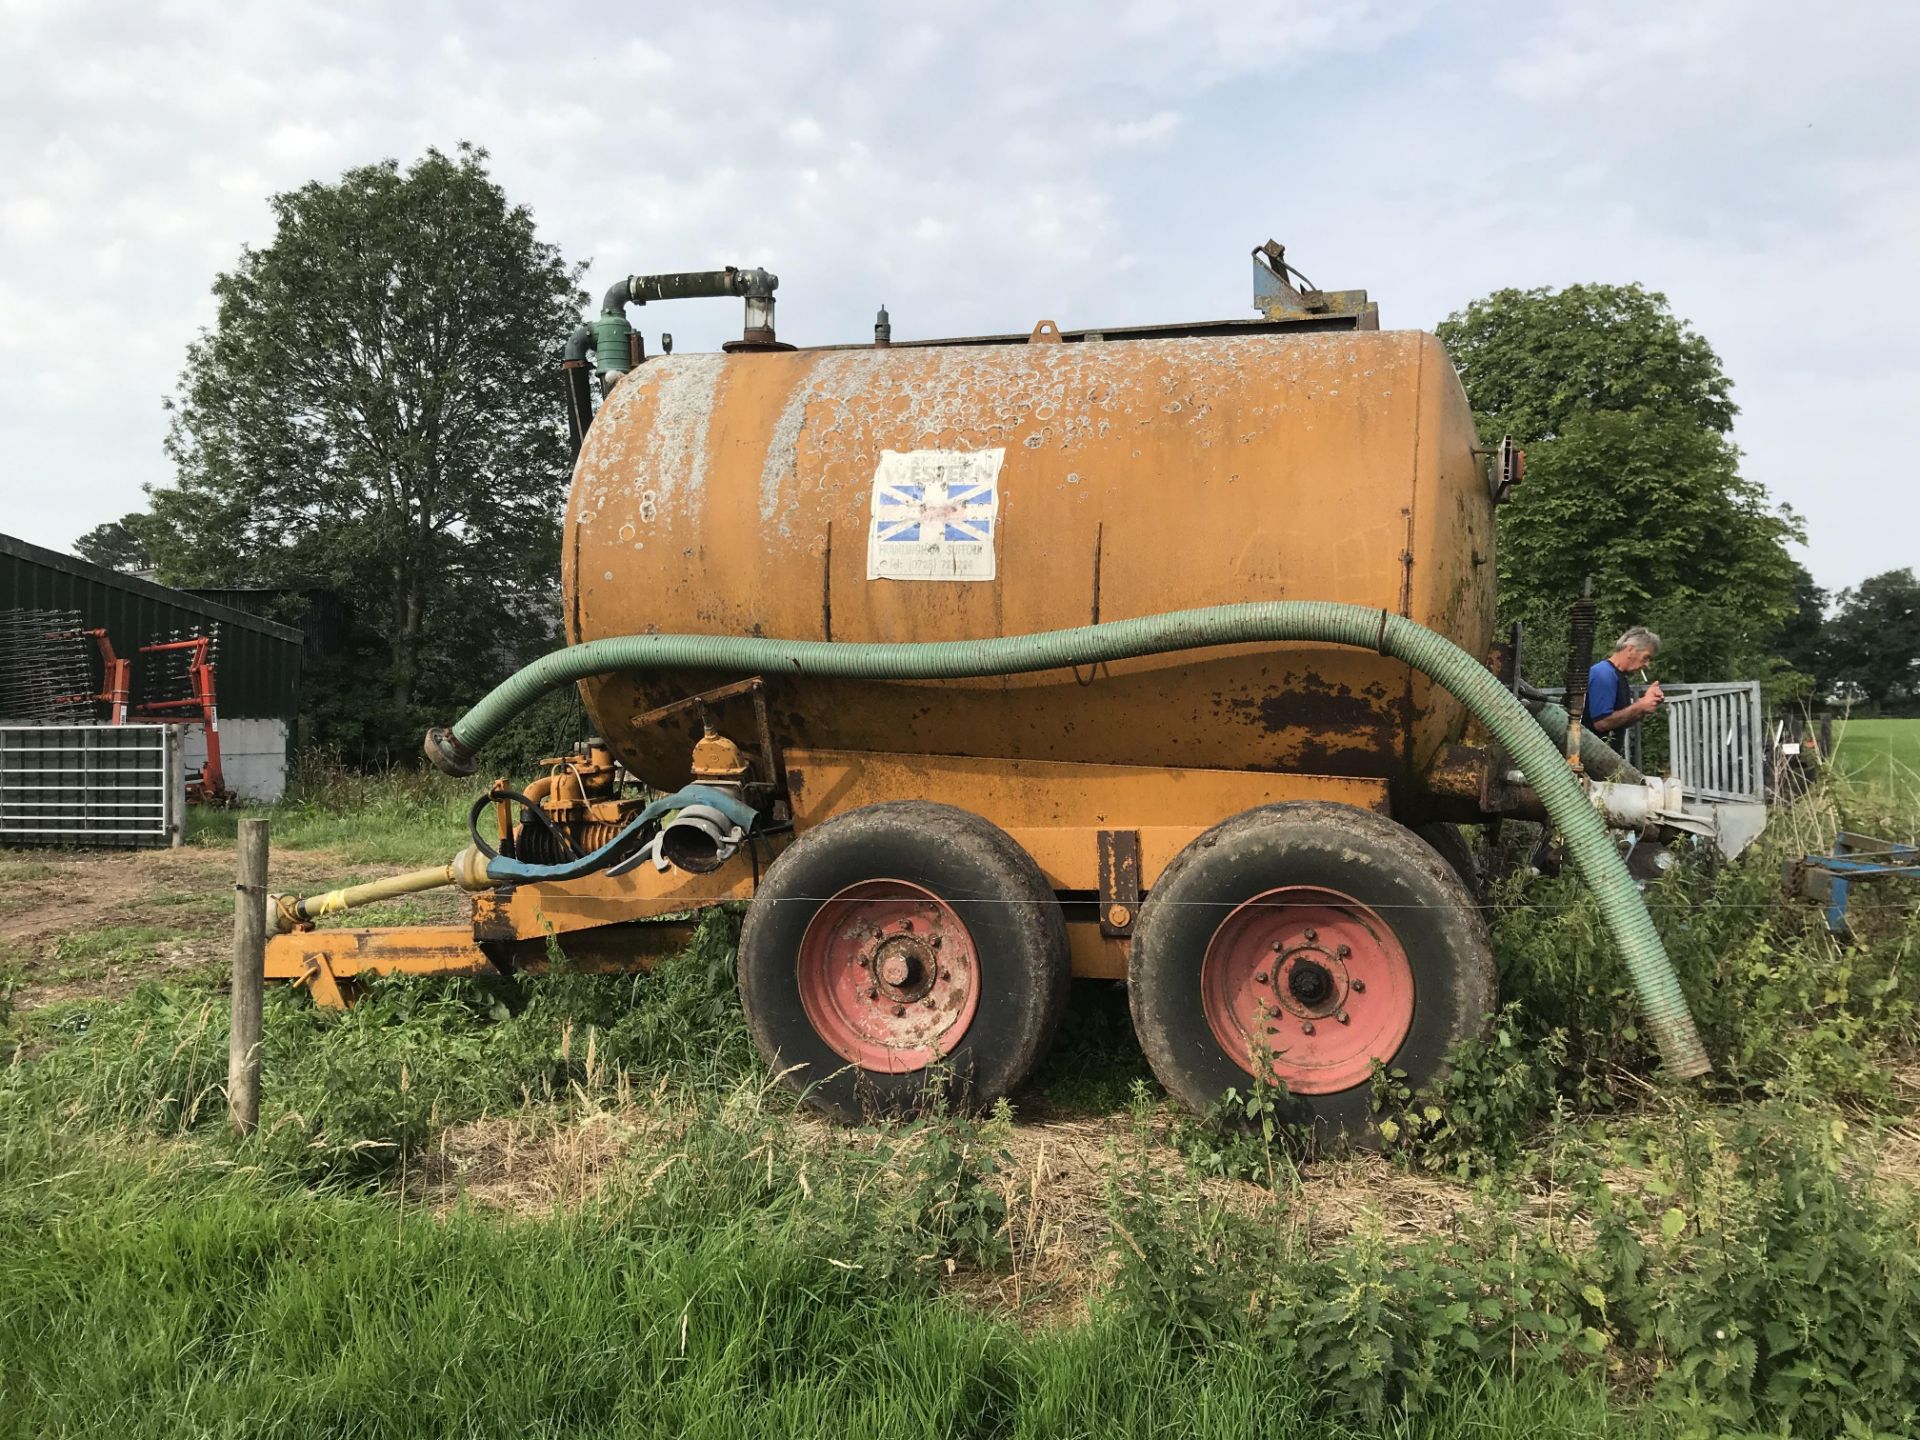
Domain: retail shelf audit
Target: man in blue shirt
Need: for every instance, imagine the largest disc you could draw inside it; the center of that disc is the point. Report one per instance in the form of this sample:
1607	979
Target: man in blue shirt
1611	707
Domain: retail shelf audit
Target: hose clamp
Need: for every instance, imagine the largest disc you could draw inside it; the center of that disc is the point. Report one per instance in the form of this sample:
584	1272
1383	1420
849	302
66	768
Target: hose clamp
446	752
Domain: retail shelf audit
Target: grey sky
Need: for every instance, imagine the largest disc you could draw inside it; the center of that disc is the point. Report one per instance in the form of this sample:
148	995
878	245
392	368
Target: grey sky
978	166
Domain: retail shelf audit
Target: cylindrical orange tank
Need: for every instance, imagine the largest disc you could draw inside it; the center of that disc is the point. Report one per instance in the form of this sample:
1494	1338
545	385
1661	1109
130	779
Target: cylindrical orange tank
752	494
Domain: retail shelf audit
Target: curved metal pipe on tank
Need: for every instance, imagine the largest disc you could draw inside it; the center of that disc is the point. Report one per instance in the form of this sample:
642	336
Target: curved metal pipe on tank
608	339
755	286
452	748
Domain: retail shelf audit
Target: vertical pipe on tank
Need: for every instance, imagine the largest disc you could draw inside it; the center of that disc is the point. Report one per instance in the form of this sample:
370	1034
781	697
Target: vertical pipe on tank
579	381
578	374
1583	622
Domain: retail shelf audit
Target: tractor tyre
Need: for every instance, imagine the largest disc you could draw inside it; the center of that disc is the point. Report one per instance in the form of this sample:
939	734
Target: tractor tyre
1311	942
900	956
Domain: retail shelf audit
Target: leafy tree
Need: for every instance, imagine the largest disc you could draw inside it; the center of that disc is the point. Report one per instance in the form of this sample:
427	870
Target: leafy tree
1875	636
119	544
374	411
1536	359
1802	642
1631	480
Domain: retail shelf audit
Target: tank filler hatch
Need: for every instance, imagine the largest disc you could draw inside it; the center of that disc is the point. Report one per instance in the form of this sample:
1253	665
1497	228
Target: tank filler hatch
1277	298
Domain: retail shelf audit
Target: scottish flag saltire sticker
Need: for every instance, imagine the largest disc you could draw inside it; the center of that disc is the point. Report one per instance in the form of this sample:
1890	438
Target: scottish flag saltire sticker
935	514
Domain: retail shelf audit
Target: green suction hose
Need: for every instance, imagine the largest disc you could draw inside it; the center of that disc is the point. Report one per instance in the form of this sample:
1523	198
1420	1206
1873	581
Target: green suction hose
1601	760
1264	622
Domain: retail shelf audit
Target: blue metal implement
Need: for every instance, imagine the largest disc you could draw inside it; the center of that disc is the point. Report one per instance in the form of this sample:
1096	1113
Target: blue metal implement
1854	858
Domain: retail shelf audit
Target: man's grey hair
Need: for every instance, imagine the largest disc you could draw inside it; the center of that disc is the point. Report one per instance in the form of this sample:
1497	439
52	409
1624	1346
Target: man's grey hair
1639	638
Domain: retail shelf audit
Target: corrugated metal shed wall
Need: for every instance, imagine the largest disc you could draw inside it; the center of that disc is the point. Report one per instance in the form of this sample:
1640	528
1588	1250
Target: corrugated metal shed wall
257	662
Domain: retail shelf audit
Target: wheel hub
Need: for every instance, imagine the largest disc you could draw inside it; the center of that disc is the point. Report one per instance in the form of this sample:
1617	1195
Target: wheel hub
888	976
904	966
1309	984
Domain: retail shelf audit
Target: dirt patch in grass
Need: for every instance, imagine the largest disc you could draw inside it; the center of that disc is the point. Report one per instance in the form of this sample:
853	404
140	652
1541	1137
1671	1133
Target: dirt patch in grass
1054	1176
529	1165
95	924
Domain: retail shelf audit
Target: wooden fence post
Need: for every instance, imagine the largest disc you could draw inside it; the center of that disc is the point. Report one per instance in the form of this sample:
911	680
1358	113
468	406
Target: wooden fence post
249	974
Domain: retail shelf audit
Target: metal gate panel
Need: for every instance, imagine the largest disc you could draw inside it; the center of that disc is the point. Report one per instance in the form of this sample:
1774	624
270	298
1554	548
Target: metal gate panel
1715	739
92	785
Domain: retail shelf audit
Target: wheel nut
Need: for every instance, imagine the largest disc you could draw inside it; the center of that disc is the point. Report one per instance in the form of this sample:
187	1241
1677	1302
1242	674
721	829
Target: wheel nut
1261	978
899	1010
1306	1027
872	993
945	974
1341	1017
1312	934
1359	986
1343	951
928	1002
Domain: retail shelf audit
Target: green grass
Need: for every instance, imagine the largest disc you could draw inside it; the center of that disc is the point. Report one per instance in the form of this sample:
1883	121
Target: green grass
91	954
111	944
173	1298
390	818
1095	1062
1878	752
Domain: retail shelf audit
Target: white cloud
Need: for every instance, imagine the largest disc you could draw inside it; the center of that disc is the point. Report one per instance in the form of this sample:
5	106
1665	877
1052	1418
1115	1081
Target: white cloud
1155	129
300	144
1600	53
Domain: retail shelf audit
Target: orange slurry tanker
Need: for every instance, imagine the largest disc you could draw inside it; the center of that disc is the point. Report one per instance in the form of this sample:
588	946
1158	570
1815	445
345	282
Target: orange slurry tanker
1161	654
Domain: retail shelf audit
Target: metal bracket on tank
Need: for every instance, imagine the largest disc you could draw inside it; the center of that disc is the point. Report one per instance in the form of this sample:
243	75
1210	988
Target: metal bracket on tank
1509	468
1276	297
774	782
1119	881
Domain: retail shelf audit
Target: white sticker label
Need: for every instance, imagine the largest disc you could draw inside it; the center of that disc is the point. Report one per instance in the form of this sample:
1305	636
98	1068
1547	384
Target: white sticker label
934	515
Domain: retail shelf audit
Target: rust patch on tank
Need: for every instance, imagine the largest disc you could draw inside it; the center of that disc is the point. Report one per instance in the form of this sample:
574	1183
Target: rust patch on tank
1339	730
1311	703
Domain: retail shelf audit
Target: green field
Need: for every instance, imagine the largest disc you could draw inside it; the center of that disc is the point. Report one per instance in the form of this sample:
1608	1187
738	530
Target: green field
1878	752
579	1205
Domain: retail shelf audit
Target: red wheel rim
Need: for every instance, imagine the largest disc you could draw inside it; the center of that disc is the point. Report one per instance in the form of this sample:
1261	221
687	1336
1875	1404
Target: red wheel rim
1314	980
889	976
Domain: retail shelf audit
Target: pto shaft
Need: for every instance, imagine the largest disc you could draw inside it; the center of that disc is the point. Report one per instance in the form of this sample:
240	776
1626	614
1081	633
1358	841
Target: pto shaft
468	870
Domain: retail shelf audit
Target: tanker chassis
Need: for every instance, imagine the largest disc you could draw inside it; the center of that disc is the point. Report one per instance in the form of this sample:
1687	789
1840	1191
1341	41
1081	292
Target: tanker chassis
1160	654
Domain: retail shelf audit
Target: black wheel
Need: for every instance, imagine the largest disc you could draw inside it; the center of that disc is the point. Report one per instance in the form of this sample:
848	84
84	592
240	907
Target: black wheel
1312	940
1449	842
901	953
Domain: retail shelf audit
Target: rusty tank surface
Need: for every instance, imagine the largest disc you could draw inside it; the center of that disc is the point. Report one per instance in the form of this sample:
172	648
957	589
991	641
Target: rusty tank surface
1070	482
